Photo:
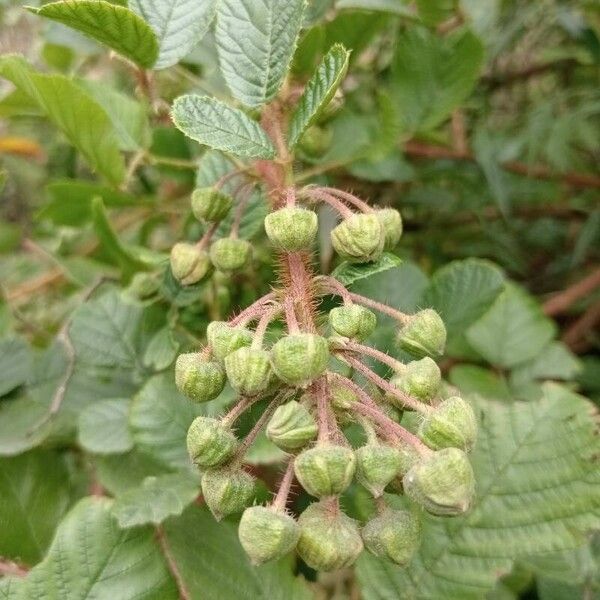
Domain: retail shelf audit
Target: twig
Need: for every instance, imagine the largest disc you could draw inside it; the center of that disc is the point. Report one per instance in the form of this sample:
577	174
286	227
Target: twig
184	593
562	301
576	334
378	355
281	499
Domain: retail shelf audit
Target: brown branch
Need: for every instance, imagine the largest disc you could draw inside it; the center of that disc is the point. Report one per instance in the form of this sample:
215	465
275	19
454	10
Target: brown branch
578	336
562	301
502	79
184	593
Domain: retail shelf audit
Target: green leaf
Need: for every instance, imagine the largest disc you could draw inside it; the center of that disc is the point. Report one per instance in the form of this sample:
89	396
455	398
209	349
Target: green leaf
536	493
103	427
178	24
217	125
34	495
513	331
349	273
161	350
156	499
397	7
318	92
20	425
115	26
432	75
15	363
264	452
470	379
73	111
255	41
462	291
555	361
212	564
90	557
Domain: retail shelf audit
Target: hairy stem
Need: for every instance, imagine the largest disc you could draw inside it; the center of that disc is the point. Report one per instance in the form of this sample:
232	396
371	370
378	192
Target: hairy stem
320	196
253	311
361	204
382	357
281	499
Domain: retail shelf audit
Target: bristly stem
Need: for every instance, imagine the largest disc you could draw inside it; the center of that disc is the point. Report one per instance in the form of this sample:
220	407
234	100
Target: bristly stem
241	406
205	239
281	499
378	355
333	285
263	324
253	311
319	196
320	393
361	204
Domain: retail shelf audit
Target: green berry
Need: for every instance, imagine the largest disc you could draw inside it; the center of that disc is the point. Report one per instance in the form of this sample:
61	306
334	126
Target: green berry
266	534
224	339
451	424
210	443
292	229
210	205
359	238
395	535
352	321
189	264
376	466
291	427
420	379
300	358
200	380
391	221
227	491
229	254
325	470
342	399
424	334
315	141
249	371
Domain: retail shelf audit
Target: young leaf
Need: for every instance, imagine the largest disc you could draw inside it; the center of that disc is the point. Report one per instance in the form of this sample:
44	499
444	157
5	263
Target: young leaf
73	111
115	26
348	273
256	41
15	362
178	24
156	499
90	557
536	493
318	92
217	125
103	427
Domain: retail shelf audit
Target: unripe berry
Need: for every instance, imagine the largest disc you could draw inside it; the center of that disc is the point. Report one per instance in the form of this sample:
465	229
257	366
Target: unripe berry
210	443
329	539
342	399
352	321
315	141
391	221
395	535
424	334
325	470
443	483
300	358
292	228
224	339
266	534
227	491
189	264
200	380
376	466
420	379
451	424
209	204
409	457
291	427
249	371
229	254
359	238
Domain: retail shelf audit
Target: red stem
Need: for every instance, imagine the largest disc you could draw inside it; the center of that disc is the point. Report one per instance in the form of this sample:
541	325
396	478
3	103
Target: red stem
281	499
382	357
361	204
334	202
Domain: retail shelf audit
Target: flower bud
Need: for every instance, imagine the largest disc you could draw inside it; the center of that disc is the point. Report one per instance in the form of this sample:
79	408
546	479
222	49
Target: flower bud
424	334
142	286
359	238
189	264
409	457
342	400
420	379
391	221
443	483
315	141
228	254
395	535
376	466
292	228
352	321
200	380
329	539
209	204
291	427
224	339
299	358
451	424
227	491
210	443
249	371
266	534
325	470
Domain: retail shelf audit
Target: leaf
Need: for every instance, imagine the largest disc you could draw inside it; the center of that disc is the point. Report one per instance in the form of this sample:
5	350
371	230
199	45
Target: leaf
90	557
15	363
73	111
20	428
34	495
513	331
103	427
398	7
349	273
115	26
212	564
432	75
536	493
318	92
156	499
264	452
462	291
161	350
178	24
471	379
215	124
255	42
